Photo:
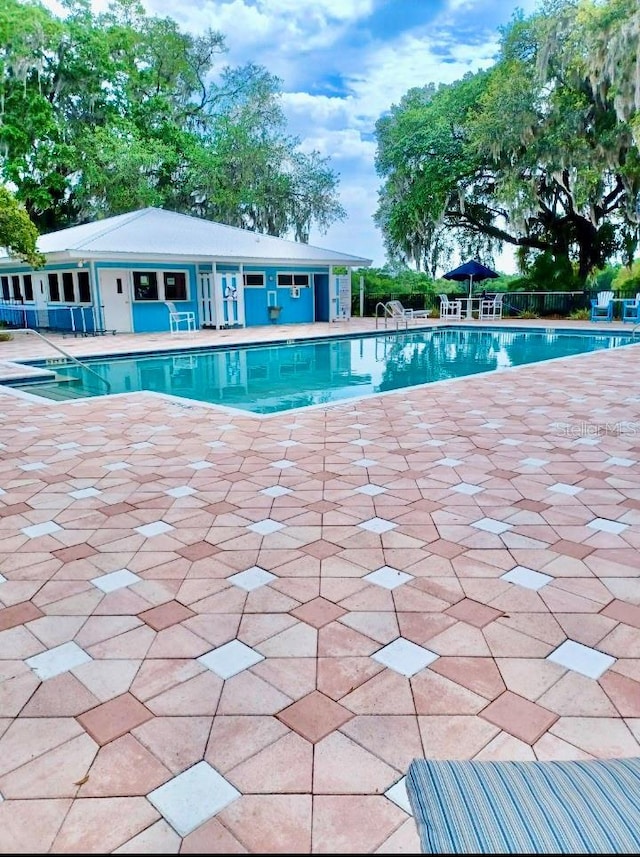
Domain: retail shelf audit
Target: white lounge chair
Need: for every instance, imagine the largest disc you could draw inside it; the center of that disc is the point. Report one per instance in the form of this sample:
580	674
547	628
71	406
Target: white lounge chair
395	309
450	309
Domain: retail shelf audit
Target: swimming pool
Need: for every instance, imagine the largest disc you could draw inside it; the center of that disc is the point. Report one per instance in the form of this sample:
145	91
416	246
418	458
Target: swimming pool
273	378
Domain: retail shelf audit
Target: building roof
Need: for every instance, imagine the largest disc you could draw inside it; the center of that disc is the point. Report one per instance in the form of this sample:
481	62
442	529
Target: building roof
154	233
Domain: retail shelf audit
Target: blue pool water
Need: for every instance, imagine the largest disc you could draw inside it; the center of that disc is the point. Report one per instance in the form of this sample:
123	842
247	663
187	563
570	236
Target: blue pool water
279	377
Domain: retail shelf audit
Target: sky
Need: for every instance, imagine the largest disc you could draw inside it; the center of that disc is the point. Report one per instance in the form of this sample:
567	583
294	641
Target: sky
342	64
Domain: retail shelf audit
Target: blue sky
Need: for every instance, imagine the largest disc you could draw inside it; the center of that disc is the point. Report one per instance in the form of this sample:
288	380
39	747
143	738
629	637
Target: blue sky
342	64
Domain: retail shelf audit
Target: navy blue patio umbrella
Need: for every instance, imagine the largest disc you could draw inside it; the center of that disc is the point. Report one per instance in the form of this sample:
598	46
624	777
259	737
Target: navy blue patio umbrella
471	270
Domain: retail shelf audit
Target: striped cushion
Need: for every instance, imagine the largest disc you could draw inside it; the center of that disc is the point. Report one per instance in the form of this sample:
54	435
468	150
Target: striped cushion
570	807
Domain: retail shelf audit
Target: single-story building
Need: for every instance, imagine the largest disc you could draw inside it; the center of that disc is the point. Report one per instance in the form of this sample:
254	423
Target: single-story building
140	271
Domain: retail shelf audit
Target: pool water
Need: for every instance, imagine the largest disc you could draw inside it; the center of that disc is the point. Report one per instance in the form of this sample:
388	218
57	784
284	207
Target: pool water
274	378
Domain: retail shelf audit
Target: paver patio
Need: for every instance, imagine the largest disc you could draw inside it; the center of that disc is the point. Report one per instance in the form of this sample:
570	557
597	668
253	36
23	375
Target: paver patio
246	657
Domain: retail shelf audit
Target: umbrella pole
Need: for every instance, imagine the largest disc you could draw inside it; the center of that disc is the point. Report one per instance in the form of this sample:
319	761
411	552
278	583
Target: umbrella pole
470	301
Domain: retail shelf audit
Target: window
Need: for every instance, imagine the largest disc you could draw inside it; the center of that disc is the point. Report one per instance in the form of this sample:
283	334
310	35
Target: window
67	287
4	281
175	286
145	285
27	283
288	280
253	281
160	286
84	287
54	288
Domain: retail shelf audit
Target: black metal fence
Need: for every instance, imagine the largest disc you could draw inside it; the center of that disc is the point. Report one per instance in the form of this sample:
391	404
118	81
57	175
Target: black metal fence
541	304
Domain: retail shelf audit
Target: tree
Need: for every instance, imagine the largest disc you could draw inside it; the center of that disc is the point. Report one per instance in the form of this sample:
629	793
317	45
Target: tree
18	235
528	153
102	114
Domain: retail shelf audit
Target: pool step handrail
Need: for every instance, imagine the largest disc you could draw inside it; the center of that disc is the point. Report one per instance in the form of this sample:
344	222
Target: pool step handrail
387	313
64	353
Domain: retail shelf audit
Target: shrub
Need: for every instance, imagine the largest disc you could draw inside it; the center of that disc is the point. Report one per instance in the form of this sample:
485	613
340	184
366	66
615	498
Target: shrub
528	313
580	315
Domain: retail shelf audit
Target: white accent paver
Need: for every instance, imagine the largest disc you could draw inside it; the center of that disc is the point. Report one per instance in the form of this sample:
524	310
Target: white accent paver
157	528
370	490
180	491
377	525
283	463
115	580
534	462
620	462
362	441
467	488
404	657
71	445
58	660
510	441
216	444
3	579
563	488
142	444
36	465
364	462
448	462
287	443
193	797
266	527
44	529
527	577
200	465
230	659
398	794
387	577
603	525
117	465
82	493
434	442
490	525
581	659
252	578
276	491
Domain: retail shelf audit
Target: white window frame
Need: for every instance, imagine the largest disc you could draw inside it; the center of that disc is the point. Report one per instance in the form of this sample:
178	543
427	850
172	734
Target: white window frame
246	274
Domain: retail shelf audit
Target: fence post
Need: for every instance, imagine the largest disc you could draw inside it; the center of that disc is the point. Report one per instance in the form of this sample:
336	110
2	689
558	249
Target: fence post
361	297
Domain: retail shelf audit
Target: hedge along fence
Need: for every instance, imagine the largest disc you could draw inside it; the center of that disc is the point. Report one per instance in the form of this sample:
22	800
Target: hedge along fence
543	304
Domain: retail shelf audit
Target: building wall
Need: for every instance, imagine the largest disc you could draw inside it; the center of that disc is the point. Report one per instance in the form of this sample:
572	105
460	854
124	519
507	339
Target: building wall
149	316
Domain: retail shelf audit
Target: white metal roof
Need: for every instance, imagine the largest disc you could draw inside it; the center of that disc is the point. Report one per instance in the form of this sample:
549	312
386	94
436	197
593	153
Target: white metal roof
153	233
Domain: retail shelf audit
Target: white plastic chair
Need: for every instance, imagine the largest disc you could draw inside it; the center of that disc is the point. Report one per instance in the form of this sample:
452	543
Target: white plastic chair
179	317
631	309
602	307
450	309
491	308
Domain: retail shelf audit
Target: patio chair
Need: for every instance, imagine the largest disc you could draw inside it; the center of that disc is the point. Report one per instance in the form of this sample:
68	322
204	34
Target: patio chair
179	317
602	307
491	308
395	309
631	309
450	309
512	807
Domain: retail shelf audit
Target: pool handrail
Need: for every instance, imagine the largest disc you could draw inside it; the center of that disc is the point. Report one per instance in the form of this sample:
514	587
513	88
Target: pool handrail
63	352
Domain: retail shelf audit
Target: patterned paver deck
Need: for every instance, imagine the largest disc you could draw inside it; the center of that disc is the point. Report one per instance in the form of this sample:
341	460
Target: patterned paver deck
226	633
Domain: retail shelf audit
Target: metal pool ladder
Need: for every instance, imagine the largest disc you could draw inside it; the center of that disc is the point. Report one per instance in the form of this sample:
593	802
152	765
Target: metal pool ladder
388	316
65	353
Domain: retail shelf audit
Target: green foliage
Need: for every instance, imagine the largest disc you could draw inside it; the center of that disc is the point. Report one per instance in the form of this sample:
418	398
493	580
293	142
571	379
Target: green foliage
18	235
105	113
528	313
580	315
627	279
538	151
381	281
